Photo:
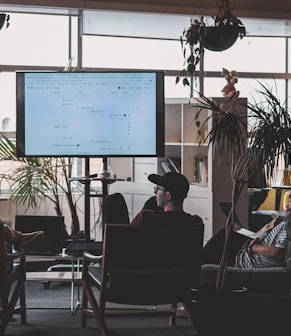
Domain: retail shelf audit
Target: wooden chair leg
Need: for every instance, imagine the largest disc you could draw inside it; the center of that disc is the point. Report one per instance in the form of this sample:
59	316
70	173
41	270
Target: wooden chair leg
84	308
4	319
12	284
3	327
94	312
4	314
22	301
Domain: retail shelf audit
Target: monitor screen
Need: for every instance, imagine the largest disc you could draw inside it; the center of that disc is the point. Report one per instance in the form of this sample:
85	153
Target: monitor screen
90	114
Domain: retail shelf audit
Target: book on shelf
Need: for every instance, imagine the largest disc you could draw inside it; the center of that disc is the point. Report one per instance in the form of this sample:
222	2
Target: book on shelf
171	165
175	163
166	166
200	170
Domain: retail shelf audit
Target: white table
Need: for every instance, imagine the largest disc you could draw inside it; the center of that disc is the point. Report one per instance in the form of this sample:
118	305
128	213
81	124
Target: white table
68	276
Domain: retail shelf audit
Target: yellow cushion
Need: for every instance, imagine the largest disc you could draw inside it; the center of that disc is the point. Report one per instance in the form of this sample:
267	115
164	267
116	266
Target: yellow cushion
269	202
284	199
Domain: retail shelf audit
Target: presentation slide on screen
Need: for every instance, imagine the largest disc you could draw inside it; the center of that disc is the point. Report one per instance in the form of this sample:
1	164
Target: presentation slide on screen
90	113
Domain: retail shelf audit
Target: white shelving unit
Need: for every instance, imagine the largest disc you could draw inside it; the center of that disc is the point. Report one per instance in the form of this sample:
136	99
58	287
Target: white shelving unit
182	139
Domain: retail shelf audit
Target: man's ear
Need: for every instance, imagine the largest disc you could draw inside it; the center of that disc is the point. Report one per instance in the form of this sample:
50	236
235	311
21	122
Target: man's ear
168	196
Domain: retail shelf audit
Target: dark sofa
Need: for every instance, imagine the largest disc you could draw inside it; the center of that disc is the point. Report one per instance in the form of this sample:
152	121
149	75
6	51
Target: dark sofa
268	288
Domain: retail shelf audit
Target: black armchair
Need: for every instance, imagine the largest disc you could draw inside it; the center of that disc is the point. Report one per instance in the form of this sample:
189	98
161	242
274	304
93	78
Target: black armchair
142	265
268	288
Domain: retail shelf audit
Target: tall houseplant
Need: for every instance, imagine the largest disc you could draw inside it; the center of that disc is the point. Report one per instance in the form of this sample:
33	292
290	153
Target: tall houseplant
37	179
269	139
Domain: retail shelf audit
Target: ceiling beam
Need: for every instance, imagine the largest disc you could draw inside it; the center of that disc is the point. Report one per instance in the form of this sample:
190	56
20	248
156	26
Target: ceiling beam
270	9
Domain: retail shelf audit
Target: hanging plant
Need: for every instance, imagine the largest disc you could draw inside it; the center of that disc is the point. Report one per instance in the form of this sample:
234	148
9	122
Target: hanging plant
192	48
218	36
226	29
4	20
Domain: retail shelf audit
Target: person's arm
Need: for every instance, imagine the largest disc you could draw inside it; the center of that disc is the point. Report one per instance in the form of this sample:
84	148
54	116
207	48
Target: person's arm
267	251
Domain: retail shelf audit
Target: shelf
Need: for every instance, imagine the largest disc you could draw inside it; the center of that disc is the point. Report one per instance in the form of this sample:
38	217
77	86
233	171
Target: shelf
193	144
173	143
202	185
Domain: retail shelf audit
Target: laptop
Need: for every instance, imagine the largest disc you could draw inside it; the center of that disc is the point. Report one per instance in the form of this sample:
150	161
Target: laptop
77	247
53	227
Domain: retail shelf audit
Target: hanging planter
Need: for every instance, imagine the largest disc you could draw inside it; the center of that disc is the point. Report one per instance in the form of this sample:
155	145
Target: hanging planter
218	36
4	20
226	29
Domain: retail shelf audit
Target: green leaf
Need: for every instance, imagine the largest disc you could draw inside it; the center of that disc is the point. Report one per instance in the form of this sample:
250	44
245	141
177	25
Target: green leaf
186	82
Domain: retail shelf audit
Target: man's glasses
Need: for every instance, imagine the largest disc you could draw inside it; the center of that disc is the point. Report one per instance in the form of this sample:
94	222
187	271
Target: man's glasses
156	188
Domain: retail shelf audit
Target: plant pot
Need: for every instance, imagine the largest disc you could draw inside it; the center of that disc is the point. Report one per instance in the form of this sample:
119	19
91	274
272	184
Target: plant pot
220	38
214	313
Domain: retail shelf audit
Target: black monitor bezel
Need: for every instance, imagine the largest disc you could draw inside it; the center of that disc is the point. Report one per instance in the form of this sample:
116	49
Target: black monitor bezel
160	118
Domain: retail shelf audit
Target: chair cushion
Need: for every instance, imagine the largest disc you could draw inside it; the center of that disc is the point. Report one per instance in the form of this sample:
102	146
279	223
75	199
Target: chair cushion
145	289
259	280
158	287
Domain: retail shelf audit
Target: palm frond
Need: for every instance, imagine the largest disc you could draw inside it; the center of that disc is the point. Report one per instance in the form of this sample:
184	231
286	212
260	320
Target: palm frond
228	132
270	134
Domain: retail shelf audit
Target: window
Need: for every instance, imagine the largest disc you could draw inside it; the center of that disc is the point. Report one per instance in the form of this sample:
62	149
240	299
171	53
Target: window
46	41
8	101
35	40
251	54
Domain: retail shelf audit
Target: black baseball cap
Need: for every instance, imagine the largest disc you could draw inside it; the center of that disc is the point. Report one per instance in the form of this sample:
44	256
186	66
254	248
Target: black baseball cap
176	183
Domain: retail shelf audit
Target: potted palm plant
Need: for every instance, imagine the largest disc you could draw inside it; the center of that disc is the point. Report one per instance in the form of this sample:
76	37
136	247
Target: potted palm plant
268	131
37	179
268	140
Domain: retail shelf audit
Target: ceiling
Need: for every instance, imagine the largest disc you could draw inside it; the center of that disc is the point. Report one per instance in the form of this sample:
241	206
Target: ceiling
279	9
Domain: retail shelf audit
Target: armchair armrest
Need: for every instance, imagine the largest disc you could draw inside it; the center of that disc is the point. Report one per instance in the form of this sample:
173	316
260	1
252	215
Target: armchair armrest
15	255
257	280
91	258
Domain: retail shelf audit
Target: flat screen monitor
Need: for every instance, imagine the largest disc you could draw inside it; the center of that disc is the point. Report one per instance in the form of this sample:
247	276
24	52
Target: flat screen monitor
90	114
